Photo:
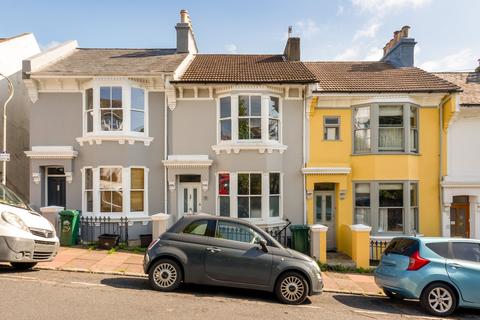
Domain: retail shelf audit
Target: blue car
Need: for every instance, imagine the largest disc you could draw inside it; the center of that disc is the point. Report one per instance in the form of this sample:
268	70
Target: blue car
443	273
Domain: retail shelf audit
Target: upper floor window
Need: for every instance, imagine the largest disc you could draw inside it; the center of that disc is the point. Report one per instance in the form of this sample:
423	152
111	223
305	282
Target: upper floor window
331	128
120	109
385	128
245	118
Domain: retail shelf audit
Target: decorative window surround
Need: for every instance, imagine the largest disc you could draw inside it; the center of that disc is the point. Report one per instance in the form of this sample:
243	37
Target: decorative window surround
97	135
326	170
265	144
52	152
121	139
126	186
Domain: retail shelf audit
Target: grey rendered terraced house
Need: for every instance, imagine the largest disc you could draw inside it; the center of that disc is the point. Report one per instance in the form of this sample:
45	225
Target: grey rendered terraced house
135	132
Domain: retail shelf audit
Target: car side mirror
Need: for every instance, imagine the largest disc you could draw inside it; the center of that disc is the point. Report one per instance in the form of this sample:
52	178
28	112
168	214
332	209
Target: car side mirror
263	245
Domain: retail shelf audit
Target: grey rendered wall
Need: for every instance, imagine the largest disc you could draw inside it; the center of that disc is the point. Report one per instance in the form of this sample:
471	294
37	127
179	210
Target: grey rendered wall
192	130
57	121
17	134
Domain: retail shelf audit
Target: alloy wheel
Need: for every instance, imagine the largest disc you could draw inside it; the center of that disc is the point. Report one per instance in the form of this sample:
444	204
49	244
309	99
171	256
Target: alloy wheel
292	288
440	299
165	275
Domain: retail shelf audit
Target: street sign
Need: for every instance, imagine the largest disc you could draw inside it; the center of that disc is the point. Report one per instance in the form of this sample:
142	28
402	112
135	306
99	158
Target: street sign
4	156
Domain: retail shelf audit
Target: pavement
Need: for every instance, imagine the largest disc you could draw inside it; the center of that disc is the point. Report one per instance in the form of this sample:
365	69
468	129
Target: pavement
56	295
130	264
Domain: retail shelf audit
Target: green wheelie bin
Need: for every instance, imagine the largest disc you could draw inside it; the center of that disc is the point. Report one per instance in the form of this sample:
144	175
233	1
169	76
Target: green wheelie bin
300	238
69	224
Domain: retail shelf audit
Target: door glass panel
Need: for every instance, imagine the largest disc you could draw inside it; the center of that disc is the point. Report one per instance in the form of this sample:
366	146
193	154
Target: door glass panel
466	251
318	208
195	209
458	222
198	228
185	200
328	208
236	232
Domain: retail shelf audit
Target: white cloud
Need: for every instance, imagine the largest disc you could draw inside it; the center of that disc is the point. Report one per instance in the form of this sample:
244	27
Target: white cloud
462	60
385	6
340	10
48	46
231	48
374	54
307	28
369	31
348	54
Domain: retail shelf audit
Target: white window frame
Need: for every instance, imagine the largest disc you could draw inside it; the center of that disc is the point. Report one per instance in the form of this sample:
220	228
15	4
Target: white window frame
124	135
265	196
327	126
126	189
265	144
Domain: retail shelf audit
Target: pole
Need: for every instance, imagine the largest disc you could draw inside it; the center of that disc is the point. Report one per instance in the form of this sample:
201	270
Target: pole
11	91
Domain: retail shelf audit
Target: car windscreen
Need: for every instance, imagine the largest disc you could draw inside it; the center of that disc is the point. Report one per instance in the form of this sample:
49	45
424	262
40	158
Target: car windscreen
402	246
9	197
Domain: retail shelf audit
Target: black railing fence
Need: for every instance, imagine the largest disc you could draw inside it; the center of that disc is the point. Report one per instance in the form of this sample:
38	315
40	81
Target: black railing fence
92	227
377	247
280	234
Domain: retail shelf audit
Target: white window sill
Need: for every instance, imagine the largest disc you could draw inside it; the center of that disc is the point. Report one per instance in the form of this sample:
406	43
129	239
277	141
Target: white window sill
261	147
120	138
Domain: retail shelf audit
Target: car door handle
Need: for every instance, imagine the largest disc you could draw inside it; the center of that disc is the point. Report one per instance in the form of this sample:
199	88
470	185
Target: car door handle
454	265
213	250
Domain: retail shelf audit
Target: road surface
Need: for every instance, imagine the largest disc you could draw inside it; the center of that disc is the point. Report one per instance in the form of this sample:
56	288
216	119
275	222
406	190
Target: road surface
52	295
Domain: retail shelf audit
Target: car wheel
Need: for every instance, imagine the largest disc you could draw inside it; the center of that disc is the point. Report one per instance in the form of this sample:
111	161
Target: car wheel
291	288
439	300
165	275
23	265
393	295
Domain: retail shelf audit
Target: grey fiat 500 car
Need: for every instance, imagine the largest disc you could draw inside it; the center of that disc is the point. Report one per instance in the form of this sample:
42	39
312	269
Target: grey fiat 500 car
211	250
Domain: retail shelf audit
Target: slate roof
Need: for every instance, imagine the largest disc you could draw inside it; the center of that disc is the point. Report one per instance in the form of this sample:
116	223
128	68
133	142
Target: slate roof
94	61
245	68
364	76
469	82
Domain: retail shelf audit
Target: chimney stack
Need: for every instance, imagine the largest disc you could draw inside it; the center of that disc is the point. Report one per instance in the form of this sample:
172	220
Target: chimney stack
292	48
185	37
478	68
399	51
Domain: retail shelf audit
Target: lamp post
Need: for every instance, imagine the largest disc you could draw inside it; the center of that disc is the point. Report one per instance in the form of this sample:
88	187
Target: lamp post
11	91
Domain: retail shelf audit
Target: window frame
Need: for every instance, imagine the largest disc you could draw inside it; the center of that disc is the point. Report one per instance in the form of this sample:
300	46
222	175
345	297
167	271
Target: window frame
375	206
219	196
126	193
127	110
327	126
374	128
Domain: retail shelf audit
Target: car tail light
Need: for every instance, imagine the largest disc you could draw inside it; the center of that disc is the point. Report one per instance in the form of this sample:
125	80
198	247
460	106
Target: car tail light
154	242
417	262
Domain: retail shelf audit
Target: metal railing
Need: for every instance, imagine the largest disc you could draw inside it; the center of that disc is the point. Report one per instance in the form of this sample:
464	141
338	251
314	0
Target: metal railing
92	227
377	247
281	234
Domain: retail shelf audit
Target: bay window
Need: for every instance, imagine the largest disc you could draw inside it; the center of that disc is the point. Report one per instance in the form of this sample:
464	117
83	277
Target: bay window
114	190
137	111
387	206
89	110
225	118
273	118
249	118
385	128
250	195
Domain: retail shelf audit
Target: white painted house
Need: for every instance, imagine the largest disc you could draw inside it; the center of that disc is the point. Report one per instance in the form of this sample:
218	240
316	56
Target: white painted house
461	185
12	51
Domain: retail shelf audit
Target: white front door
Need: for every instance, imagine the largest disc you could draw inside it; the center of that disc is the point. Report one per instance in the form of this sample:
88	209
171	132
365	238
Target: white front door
324	202
190	198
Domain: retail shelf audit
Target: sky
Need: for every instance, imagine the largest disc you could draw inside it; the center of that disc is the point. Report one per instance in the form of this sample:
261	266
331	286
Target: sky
447	31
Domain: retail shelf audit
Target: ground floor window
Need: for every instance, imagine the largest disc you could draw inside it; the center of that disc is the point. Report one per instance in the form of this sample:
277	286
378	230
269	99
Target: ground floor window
249	195
114	190
387	206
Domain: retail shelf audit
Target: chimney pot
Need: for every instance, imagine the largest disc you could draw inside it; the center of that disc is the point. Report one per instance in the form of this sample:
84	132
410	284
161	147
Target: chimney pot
404	31
478	68
184	18
400	49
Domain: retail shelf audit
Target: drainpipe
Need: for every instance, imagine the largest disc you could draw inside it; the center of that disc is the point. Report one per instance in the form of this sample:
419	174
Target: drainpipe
304	160
165	154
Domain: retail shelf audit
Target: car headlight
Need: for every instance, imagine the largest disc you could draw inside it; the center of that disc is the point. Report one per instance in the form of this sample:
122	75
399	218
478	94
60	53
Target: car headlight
14	220
315	265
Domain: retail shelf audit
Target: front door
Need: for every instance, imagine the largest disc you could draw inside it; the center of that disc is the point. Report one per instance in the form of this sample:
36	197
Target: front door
56	191
324	202
190	200
460	220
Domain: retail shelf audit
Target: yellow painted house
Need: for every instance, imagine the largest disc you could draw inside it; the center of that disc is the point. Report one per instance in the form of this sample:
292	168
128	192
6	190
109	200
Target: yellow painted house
375	140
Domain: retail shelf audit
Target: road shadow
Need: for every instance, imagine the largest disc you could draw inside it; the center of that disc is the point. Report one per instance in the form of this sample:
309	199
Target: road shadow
195	290
6	268
404	307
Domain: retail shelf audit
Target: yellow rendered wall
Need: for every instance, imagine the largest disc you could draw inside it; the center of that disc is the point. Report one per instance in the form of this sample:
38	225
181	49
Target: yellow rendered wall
423	167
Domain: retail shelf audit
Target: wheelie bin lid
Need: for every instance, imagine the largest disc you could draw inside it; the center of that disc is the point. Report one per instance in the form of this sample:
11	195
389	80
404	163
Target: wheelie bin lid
299	227
71	213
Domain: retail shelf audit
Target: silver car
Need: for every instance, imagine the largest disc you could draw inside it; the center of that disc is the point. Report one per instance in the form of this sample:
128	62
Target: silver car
220	251
26	237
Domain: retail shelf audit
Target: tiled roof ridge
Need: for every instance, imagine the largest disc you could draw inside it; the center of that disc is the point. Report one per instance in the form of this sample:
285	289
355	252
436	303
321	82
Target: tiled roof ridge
79	48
